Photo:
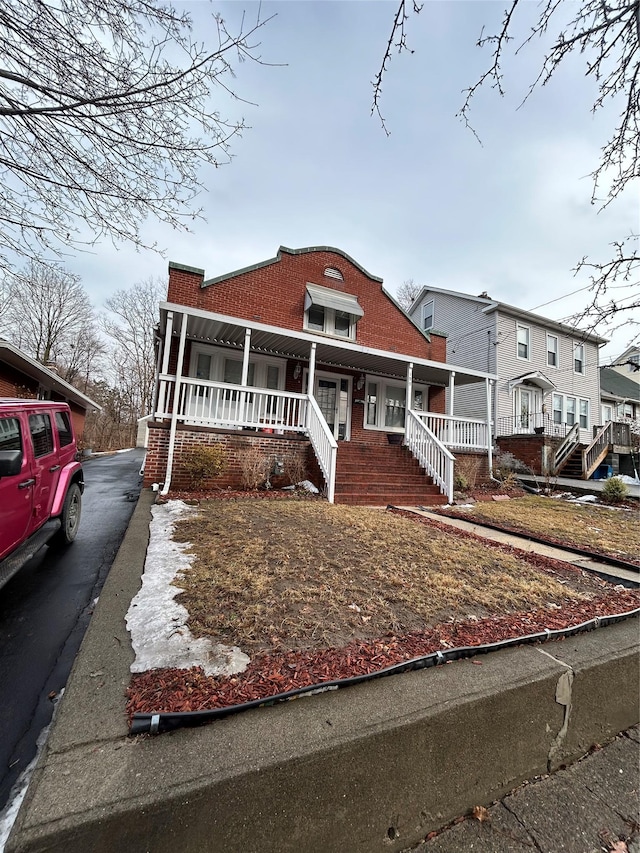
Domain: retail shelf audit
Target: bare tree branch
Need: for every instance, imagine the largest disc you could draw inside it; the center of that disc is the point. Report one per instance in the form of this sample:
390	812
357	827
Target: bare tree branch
106	116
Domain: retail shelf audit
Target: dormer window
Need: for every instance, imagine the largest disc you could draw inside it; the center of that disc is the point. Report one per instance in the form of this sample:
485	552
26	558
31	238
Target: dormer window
333	272
331	312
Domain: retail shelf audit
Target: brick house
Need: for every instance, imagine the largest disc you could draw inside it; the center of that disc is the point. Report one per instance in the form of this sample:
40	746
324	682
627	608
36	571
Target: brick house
305	357
23	377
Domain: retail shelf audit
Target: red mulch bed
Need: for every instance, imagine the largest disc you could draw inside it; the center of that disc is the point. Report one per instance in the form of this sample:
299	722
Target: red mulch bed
508	527
235	494
176	690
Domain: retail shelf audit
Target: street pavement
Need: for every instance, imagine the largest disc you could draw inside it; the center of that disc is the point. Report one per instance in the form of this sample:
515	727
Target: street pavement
45	609
592	806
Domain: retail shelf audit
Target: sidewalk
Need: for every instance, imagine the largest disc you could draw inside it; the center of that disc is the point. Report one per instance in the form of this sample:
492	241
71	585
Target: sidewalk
593	805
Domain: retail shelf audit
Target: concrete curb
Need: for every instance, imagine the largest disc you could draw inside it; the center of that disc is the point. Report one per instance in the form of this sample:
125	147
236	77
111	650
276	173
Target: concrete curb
373	767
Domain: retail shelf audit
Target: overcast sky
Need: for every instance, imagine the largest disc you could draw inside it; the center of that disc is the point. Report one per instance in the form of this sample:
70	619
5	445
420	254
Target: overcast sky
511	216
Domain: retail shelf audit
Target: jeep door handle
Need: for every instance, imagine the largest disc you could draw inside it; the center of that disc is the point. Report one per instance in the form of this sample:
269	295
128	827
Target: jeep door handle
26	483
54	468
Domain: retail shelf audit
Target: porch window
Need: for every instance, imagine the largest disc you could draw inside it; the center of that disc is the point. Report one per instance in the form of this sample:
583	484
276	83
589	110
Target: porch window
523	333
578	358
584	414
571	411
552	351
233	372
372	403
394	407
557	408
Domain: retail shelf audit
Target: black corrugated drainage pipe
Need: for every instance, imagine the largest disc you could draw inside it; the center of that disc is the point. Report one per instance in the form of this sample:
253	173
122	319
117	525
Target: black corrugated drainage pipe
166	722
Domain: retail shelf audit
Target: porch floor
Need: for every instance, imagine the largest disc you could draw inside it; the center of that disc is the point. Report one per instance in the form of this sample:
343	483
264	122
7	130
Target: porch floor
381	474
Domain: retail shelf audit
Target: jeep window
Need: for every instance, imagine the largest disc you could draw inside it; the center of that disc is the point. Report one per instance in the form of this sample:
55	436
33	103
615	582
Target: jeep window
65	435
41	435
10	434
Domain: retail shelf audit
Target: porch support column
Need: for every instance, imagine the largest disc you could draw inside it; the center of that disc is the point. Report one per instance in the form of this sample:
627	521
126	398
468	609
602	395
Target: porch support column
409	394
166	351
245	374
488	384
175	406
452	387
312	370
245	356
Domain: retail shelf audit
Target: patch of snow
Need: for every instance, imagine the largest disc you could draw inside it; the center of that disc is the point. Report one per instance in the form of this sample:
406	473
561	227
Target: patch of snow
157	623
308	486
585	499
630	481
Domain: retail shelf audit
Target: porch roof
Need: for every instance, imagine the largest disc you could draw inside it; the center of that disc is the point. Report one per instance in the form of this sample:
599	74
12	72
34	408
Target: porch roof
219	329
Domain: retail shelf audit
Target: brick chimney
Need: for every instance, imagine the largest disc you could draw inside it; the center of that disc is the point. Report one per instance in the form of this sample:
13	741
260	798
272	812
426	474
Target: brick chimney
184	284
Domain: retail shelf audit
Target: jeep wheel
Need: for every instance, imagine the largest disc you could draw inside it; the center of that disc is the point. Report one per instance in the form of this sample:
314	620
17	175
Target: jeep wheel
70	516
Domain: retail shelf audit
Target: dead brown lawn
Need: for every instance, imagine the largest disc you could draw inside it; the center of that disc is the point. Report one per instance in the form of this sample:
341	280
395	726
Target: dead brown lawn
274	575
609	531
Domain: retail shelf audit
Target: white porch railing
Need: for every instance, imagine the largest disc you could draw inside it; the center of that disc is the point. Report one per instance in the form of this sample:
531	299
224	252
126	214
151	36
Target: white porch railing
324	444
458	433
218	404
430	453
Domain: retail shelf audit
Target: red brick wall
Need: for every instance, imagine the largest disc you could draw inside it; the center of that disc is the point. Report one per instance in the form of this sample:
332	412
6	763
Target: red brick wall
16	384
274	294
530	449
235	445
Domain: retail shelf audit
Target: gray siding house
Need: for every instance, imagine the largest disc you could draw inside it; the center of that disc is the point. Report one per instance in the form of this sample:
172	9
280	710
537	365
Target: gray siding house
548	375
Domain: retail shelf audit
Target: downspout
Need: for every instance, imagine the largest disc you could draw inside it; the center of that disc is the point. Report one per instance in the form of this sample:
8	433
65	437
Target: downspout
176	402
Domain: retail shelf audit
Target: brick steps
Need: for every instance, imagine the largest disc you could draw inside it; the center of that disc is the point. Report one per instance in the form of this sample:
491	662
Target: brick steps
377	475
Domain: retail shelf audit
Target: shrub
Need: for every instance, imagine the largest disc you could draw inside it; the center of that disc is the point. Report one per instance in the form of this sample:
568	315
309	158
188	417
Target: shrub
614	491
295	468
255	466
204	463
466	472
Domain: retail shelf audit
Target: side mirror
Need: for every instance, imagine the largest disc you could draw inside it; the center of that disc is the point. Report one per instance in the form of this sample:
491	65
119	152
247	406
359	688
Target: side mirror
10	462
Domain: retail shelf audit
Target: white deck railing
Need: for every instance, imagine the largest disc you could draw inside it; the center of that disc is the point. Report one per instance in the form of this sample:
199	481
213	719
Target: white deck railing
458	433
204	403
431	453
324	445
218	404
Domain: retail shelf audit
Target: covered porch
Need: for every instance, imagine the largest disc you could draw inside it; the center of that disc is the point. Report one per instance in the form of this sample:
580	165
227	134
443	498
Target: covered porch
220	372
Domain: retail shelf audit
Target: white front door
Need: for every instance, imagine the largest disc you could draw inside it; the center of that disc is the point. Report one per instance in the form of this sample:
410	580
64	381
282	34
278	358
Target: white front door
526	406
333	395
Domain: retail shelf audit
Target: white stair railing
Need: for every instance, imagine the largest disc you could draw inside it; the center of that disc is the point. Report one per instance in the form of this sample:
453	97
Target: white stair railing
324	445
431	453
459	433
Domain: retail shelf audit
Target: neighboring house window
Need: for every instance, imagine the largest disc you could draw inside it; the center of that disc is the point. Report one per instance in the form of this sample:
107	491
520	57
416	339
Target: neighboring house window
571	411
578	358
633	363
584	414
427	316
558	408
625	410
552	351
523	334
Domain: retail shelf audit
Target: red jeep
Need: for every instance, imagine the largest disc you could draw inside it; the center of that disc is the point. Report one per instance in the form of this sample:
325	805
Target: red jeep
41	481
